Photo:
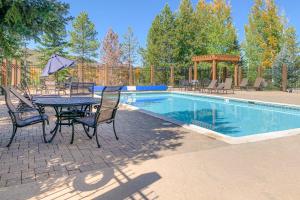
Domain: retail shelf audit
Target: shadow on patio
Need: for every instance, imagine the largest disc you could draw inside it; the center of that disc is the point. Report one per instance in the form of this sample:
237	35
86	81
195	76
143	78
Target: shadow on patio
82	169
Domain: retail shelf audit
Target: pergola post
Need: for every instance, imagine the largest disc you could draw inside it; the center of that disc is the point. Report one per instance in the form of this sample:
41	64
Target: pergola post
195	71
214	70
214	59
236	75
240	76
172	75
284	78
152	75
190	74
224	73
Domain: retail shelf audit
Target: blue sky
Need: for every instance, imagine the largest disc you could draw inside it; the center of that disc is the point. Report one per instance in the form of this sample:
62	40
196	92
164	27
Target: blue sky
119	14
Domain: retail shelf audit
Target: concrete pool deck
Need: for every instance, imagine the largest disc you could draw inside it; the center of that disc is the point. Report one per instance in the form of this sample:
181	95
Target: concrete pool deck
268	96
152	160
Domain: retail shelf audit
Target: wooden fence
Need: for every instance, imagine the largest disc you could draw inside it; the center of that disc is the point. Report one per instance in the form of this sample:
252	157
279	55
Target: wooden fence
13	72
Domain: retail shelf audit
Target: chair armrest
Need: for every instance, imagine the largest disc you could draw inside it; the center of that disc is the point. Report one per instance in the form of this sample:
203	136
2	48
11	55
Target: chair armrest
25	110
109	107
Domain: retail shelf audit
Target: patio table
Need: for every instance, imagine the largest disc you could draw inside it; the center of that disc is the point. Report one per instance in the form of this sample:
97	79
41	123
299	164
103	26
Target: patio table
63	102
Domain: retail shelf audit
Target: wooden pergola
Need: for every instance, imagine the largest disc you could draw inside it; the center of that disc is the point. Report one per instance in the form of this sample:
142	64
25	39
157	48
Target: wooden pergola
214	59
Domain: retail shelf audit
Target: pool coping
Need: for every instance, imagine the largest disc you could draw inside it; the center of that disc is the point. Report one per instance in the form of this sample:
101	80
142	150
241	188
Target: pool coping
219	136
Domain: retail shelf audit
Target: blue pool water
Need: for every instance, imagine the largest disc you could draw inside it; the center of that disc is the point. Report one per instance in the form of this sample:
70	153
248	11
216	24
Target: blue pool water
229	117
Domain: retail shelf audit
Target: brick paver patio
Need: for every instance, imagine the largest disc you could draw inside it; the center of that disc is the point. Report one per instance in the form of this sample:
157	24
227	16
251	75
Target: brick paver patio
29	159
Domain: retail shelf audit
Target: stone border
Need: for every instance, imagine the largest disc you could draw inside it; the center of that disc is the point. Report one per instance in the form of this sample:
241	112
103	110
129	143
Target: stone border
219	136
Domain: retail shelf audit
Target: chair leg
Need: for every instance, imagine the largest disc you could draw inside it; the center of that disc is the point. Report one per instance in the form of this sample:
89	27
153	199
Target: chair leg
44	131
13	135
117	138
97	140
72	138
86	130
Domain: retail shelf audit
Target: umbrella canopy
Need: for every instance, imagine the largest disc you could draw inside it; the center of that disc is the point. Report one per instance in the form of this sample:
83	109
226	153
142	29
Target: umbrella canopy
55	64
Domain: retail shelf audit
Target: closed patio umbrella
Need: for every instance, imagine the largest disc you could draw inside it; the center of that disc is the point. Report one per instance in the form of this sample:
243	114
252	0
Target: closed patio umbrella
55	64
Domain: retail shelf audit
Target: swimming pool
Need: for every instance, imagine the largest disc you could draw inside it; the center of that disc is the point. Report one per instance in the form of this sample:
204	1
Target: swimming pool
225	117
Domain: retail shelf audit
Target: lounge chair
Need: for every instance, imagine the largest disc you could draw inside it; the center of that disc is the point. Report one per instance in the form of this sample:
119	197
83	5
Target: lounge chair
18	117
244	84
105	114
212	86
220	87
258	83
183	84
227	86
194	85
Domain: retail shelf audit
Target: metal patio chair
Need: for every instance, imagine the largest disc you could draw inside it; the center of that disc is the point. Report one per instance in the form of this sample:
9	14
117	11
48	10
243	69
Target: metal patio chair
77	89
105	112
19	117
81	89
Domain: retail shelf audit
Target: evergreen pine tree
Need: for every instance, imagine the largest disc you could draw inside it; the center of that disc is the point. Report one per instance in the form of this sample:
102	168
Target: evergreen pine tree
160	40
53	43
84	43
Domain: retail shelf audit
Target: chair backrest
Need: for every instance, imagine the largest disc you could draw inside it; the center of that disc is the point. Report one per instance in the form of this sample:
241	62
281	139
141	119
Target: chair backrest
220	86
110	99
21	97
228	84
12	109
82	89
258	82
194	82
183	82
212	84
9	104
244	82
26	90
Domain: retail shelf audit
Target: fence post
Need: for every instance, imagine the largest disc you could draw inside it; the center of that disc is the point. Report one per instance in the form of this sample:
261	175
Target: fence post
259	71
4	72
105	74
79	72
190	74
98	75
284	77
130	75
152	75
19	72
172	76
13	72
